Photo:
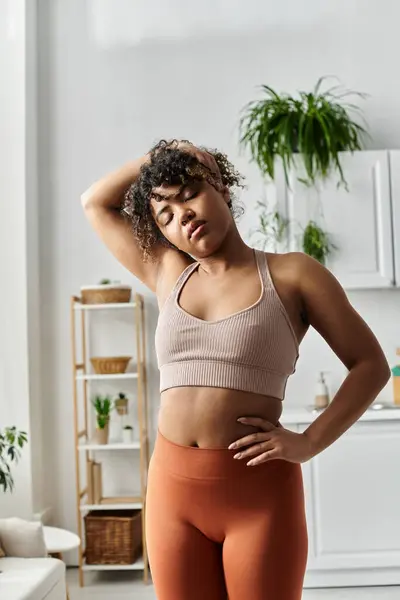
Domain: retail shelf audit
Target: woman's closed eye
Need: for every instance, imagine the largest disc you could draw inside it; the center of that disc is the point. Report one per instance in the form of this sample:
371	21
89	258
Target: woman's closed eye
191	196
168	220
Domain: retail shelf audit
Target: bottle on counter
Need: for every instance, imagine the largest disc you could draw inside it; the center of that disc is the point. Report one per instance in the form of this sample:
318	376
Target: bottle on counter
396	381
321	392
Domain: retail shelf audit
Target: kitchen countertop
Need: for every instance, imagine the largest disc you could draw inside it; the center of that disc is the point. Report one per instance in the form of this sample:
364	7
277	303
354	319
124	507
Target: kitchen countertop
308	415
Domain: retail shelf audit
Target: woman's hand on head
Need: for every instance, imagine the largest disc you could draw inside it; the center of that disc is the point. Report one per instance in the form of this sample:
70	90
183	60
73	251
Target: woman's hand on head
202	156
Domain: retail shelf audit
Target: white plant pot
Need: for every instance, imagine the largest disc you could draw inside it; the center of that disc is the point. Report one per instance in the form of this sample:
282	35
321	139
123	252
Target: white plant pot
127	436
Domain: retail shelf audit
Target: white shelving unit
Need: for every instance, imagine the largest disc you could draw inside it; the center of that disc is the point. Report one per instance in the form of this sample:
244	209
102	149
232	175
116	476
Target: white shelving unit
110	506
107	447
96	377
109	306
137	566
85	447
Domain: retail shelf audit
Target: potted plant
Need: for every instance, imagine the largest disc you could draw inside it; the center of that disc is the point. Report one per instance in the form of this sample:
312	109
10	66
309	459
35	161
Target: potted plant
11	443
121	404
127	434
313	126
103	408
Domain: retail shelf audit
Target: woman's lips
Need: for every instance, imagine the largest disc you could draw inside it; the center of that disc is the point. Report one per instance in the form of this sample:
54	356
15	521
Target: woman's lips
197	231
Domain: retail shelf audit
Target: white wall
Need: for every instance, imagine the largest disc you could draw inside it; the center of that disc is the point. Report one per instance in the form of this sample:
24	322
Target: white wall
20	397
107	94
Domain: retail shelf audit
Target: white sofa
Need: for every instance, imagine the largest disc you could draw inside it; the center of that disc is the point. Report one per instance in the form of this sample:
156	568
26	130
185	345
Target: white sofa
32	579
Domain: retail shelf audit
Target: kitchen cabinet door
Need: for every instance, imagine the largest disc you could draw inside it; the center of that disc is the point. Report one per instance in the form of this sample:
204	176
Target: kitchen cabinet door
353	495
359	221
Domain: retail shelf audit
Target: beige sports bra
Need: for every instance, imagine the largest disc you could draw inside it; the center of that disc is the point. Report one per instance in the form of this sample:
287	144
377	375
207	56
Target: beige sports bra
253	350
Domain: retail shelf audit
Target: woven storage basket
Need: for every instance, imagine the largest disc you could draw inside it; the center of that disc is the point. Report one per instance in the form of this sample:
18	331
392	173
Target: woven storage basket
107	365
113	537
105	294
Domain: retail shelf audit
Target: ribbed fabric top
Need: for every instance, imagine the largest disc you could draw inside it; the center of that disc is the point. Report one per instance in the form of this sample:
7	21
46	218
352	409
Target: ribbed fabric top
253	350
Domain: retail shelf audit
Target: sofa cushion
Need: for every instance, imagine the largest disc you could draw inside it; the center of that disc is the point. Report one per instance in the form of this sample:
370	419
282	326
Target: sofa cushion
30	578
22	539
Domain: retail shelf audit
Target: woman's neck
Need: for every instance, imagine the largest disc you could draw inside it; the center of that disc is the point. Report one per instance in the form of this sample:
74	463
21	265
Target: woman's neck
232	253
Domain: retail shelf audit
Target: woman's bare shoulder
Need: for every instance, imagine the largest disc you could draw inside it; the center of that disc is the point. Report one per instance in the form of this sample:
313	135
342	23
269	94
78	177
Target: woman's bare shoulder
295	267
172	265
288	267
289	260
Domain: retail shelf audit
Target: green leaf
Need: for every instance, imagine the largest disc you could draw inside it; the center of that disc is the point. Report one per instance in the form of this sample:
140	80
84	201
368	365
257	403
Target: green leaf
103	405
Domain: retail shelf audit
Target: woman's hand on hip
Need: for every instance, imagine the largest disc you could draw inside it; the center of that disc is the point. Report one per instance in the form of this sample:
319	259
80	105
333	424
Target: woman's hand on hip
271	443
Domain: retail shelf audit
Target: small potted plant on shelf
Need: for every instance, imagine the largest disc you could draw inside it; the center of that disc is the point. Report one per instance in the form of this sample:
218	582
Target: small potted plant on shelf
11	443
121	404
103	407
127	434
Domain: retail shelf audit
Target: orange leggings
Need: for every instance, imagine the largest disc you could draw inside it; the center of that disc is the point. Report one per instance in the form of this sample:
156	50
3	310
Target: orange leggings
217	529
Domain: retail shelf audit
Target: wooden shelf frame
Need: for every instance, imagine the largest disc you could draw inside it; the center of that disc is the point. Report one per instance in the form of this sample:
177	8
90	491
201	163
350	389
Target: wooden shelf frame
80	317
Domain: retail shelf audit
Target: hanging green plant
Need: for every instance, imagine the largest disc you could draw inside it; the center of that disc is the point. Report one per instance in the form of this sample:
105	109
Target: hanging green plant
272	228
316	242
272	232
316	125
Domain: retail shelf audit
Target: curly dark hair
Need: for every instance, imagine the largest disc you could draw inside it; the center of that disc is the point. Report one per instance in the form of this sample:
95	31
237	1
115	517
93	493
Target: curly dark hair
172	166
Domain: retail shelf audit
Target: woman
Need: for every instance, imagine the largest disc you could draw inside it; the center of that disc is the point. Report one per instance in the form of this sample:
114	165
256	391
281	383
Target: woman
225	505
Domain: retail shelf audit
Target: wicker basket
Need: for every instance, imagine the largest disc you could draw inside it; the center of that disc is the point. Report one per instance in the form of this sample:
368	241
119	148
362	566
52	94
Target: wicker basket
113	537
105	294
107	365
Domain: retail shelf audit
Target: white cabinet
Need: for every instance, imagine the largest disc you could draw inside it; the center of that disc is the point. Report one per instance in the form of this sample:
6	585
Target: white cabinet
353	498
394	164
359	220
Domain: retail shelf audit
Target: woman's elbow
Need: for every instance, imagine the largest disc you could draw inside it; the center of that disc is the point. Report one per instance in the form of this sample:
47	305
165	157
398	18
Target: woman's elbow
382	370
86	199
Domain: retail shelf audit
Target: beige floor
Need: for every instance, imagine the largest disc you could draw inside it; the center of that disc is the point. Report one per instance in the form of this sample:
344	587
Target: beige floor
129	586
